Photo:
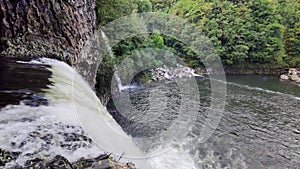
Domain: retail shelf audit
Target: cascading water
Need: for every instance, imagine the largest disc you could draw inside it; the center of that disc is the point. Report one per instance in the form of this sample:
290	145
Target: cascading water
54	127
176	158
116	73
41	102
106	41
67	106
41	121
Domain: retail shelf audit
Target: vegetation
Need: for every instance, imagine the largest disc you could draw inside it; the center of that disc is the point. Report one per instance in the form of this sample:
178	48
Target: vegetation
256	33
109	10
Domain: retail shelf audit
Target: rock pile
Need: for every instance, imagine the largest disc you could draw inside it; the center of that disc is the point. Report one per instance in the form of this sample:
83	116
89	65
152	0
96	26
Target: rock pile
293	75
103	161
39	149
168	73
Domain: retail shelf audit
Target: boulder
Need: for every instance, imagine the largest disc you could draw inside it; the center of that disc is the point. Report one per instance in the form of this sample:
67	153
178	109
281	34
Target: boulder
293	75
293	71
284	77
7	156
168	73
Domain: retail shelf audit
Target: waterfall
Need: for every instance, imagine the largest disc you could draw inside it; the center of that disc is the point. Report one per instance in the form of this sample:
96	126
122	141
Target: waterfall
116	74
119	82
73	109
92	115
106	41
176	158
70	89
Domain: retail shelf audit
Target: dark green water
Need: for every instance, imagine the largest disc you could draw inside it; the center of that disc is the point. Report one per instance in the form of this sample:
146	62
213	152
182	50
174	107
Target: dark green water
266	83
22	81
260	126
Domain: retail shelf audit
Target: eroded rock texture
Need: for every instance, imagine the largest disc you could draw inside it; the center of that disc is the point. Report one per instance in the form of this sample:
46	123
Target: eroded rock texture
101	162
61	29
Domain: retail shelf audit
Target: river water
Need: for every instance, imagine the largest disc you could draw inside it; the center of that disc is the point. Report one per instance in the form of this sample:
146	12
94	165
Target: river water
260	126
47	109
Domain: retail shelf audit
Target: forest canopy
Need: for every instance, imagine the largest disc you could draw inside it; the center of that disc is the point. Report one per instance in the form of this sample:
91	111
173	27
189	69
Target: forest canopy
244	33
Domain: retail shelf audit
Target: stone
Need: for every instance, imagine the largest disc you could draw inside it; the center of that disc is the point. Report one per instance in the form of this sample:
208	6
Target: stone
59	162
168	73
293	71
103	161
7	156
293	75
284	77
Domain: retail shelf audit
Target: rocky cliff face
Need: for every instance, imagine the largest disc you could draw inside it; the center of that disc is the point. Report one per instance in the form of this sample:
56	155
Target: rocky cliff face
61	29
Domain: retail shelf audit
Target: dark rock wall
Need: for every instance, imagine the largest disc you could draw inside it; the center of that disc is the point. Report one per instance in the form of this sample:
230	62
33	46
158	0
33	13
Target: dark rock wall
61	29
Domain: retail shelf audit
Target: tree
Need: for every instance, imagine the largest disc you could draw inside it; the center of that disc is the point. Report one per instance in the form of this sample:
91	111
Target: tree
107	11
292	43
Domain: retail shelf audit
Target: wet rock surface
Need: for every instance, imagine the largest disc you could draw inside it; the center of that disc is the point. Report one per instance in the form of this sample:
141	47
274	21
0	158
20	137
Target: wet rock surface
46	27
101	162
69	138
7	156
64	30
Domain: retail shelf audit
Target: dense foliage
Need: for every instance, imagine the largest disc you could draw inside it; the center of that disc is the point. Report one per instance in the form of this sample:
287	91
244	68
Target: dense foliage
256	33
247	32
109	10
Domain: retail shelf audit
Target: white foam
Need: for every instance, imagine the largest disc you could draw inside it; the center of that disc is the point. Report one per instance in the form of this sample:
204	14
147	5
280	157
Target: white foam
19	121
69	87
70	98
175	158
30	62
264	90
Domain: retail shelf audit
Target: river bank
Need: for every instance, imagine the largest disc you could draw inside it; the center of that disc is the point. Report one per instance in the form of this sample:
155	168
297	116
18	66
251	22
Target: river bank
168	73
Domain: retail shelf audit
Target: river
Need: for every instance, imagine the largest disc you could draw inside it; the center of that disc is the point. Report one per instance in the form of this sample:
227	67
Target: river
260	126
46	106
